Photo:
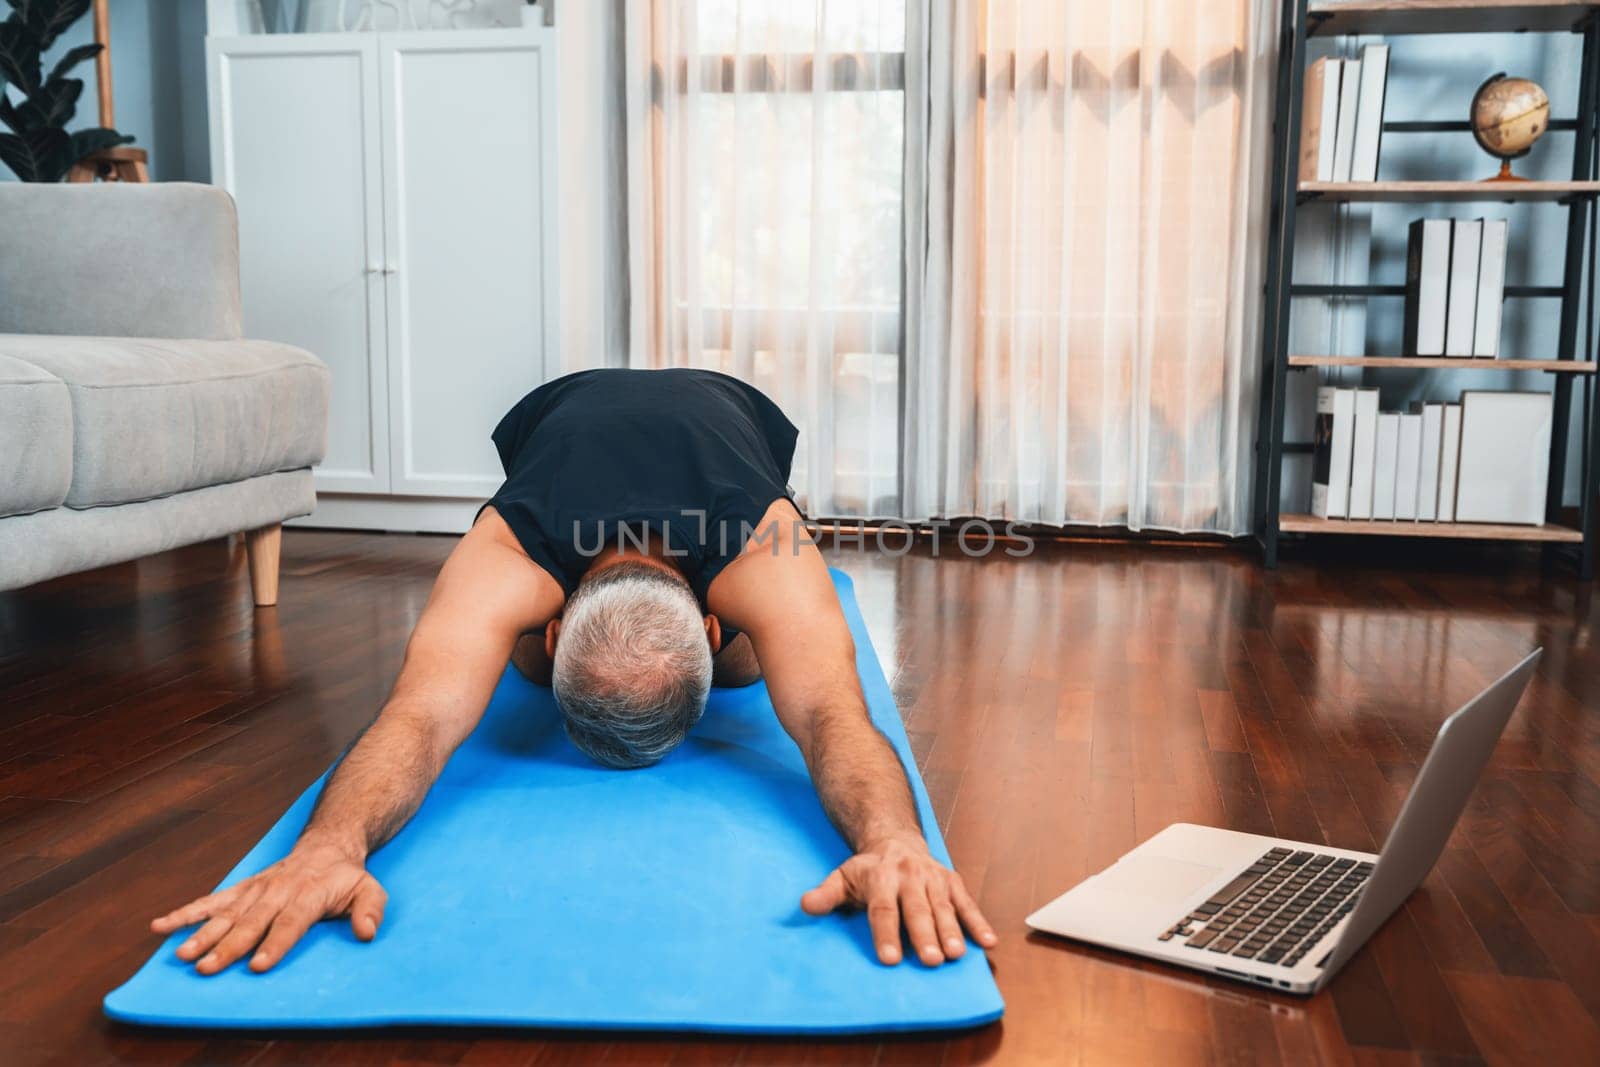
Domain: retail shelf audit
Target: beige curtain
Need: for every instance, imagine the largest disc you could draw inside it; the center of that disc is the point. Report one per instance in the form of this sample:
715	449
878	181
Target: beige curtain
1087	185
764	150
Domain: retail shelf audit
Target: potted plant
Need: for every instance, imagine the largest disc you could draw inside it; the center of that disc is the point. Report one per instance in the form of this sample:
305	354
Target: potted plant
38	147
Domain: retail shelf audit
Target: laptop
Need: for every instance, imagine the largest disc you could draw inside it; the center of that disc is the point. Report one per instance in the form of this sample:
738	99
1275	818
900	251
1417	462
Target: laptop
1282	913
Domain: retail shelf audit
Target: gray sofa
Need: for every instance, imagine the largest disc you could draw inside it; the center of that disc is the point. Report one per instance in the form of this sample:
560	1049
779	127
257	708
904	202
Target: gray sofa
133	417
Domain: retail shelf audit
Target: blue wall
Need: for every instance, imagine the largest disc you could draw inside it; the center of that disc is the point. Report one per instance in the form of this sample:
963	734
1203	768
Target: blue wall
159	78
1434	78
1430	78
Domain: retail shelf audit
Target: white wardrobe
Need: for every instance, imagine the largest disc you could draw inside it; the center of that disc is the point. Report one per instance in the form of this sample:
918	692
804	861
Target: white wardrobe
397	217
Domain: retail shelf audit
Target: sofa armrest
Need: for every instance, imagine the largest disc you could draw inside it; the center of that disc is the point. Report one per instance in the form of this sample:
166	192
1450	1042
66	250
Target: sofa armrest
119	260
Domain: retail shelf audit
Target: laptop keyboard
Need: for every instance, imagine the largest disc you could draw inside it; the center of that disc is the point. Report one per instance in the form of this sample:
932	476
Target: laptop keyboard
1277	909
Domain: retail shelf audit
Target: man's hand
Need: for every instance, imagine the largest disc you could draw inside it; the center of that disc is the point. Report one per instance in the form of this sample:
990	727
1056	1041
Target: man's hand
488	593
275	908
897	881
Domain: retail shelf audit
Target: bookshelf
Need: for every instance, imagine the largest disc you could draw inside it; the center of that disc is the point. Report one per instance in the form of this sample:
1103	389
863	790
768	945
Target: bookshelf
1334	18
1448	192
1458	531
1579	196
1550	366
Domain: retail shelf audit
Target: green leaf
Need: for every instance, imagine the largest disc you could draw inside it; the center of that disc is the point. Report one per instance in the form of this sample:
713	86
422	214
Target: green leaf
50	18
73	57
19	56
39	156
52	105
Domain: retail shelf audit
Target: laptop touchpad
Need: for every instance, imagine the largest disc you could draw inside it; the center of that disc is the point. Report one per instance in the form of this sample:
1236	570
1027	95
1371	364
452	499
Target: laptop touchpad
1163	878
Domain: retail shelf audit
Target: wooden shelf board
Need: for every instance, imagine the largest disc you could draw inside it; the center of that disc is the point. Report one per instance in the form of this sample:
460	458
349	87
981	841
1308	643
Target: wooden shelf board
1334	17
1447	191
1557	366
1468	531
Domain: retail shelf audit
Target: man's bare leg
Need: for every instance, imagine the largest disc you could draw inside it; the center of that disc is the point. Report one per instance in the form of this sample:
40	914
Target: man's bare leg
736	664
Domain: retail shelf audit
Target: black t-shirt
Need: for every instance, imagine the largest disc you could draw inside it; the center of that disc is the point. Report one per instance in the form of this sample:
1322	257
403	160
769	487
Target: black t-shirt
695	456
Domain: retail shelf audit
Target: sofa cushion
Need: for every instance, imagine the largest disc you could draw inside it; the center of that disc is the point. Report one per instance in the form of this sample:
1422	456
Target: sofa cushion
35	438
152	417
121	259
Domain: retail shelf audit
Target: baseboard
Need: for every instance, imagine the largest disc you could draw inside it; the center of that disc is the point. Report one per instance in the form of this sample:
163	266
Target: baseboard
394	514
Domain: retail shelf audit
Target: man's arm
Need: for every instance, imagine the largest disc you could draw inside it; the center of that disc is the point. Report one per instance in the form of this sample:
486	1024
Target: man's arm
487	594
782	595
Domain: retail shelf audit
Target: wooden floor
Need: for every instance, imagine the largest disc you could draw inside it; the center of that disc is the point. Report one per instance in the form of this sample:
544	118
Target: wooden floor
1062	708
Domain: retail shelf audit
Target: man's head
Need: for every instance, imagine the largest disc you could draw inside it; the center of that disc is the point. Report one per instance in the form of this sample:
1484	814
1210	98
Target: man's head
632	663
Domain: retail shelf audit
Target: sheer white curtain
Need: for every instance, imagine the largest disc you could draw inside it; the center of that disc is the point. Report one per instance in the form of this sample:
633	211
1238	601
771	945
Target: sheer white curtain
764	151
1088	192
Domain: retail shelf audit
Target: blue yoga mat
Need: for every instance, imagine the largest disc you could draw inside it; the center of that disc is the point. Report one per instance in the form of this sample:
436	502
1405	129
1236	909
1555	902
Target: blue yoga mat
534	888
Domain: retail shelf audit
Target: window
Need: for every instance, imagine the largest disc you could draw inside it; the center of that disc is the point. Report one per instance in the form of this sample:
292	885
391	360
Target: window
781	204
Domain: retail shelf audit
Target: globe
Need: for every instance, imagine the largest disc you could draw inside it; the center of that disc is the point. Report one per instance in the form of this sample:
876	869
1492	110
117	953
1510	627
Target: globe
1508	116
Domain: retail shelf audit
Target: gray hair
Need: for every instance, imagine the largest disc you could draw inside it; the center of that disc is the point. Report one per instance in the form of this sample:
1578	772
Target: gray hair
632	666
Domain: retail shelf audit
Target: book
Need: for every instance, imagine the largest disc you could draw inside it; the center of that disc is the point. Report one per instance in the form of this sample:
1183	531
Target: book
1461	315
1491	288
1427	282
1384	460
1333	438
1362	453
1319	120
1504	457
1344	140
1449	452
1369	113
1407	467
1428	474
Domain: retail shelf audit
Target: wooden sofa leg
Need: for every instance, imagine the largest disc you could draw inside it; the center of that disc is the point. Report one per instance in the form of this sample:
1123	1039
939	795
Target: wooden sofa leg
263	545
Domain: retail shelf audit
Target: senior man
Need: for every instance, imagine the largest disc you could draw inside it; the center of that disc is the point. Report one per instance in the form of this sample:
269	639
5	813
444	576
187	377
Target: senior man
643	548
